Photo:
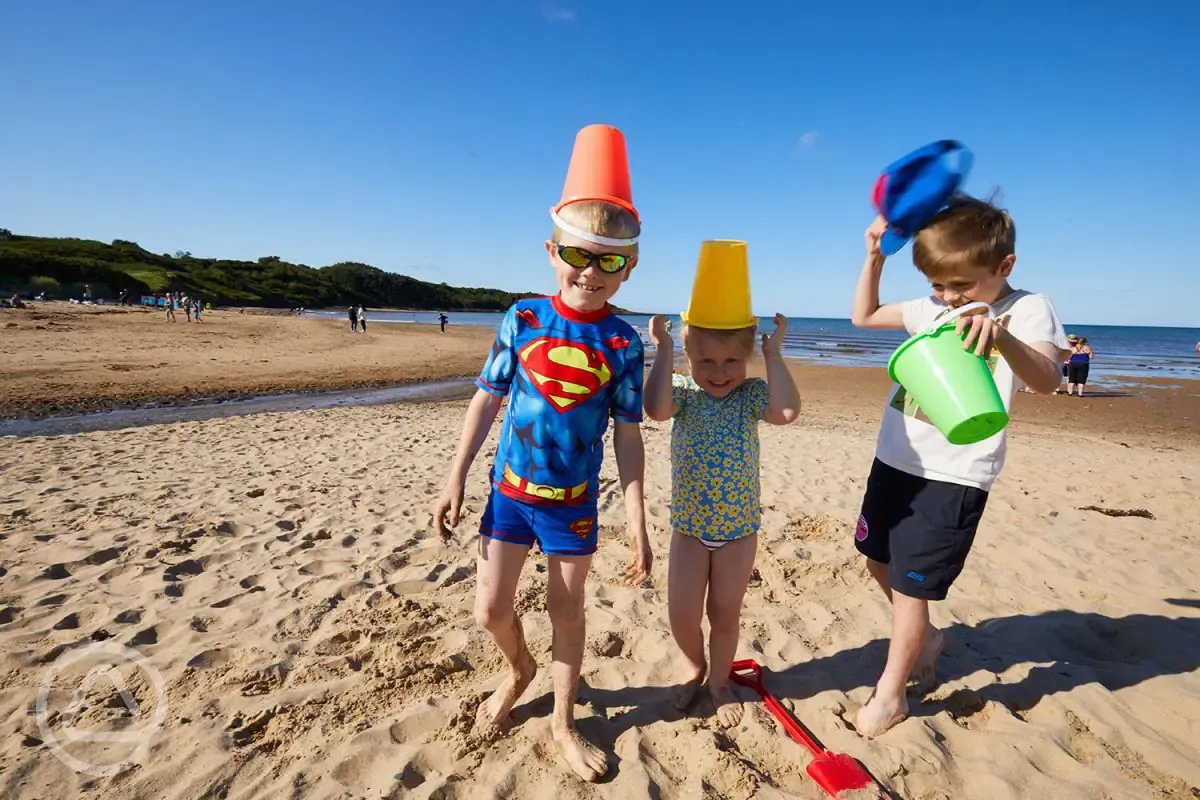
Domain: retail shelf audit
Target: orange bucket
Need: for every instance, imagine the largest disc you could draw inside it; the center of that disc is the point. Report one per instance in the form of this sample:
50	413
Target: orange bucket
599	169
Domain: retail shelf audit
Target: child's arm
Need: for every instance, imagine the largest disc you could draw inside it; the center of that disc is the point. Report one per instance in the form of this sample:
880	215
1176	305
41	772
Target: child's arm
631	465
783	398
1037	365
494	381
868	313
481	413
657	396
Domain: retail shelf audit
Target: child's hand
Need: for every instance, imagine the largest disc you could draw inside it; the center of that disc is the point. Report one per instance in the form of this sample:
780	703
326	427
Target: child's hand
641	559
874	232
660	331
448	509
772	346
981	331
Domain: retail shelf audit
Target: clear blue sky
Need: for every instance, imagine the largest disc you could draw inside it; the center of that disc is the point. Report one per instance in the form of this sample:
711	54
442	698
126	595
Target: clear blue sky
430	138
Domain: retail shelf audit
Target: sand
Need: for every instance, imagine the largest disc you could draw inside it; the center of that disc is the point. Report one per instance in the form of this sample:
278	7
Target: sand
59	358
313	639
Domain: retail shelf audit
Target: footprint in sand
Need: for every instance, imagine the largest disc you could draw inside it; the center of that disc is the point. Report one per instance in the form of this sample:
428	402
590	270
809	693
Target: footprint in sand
145	637
338	645
184	569
102	556
209	659
418	725
246	730
53	600
231	528
228	601
68	623
118	571
131	617
56	572
9	613
320	568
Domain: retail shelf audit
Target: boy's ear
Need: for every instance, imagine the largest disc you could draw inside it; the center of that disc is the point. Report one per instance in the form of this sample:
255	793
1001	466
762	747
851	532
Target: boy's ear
633	262
1006	266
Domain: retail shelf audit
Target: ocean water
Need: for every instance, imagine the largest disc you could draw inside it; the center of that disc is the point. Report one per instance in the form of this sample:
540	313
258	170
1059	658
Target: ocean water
1120	350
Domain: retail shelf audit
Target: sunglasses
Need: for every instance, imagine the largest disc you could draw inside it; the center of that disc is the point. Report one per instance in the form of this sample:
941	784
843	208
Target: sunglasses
577	257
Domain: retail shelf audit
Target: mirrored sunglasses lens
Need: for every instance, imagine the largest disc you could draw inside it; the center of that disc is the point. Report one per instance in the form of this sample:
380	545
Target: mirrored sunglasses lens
612	263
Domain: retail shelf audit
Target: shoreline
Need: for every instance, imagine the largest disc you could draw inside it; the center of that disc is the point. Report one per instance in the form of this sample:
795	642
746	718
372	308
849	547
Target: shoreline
71	361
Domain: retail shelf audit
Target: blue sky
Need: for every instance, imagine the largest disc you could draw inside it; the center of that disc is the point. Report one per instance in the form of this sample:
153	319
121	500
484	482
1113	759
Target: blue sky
430	138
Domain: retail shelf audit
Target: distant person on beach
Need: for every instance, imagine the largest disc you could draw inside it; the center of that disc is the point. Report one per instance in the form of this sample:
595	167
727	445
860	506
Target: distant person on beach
1078	365
352	312
362	320
715	503
925	497
565	364
170	308
443	319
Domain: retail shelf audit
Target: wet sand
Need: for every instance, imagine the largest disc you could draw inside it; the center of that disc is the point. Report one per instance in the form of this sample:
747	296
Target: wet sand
62	359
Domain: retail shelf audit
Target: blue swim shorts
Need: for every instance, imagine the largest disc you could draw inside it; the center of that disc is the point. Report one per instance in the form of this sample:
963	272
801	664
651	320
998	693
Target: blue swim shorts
559	530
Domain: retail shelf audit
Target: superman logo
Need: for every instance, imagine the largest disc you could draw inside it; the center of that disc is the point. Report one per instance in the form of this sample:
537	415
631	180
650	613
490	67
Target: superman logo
582	527
566	373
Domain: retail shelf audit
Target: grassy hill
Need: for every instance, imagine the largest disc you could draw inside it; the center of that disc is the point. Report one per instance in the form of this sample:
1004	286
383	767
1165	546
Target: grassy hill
60	268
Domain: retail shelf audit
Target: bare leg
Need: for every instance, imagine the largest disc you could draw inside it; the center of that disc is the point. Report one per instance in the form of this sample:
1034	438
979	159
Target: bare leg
888	706
925	671
499	570
566	579
879	571
729	575
687	581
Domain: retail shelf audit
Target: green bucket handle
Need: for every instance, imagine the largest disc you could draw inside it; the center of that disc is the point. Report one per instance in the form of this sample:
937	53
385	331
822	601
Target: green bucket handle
955	314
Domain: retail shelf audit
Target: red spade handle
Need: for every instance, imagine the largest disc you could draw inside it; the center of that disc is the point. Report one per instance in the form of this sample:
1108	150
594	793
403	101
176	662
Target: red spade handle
776	708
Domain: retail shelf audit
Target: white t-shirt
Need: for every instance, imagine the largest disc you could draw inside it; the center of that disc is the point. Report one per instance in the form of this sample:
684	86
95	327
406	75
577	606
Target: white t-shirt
910	443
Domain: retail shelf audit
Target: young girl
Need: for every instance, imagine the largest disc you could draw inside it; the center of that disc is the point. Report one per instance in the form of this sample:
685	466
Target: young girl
714	487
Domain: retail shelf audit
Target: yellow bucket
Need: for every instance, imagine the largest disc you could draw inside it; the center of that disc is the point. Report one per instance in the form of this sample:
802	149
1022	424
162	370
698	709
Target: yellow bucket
721	291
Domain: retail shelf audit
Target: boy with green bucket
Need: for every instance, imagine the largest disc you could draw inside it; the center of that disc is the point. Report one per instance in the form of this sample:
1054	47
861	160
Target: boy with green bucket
925	496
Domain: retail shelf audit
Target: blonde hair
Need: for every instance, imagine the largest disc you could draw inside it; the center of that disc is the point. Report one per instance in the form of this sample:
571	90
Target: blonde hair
969	233
742	336
600	218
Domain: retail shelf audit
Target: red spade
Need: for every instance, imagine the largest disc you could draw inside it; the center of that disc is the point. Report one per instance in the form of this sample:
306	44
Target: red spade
837	773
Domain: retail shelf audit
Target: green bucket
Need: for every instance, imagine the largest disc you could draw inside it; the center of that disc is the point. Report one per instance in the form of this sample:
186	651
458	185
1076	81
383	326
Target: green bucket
952	386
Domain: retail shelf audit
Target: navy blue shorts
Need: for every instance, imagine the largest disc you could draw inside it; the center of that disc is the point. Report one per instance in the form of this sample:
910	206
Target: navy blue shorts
559	530
922	529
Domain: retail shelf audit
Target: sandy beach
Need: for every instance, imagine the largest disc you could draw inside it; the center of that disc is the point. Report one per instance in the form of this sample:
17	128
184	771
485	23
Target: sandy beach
314	639
59	358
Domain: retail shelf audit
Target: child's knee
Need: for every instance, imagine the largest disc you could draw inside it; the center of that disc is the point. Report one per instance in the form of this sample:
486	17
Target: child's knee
492	615
565	611
724	616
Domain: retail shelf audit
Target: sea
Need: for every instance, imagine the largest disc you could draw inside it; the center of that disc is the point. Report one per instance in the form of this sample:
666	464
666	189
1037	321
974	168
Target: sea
1121	351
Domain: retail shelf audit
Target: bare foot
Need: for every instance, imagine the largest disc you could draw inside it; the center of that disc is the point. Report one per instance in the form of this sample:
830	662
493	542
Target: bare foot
878	717
925	671
495	710
684	693
729	710
584	758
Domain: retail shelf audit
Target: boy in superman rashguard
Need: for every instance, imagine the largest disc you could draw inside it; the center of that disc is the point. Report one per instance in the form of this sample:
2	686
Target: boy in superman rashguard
566	364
